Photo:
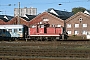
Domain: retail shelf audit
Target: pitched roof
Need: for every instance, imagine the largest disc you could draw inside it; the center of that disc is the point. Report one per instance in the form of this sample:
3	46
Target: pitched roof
28	17
61	14
87	12
5	17
77	14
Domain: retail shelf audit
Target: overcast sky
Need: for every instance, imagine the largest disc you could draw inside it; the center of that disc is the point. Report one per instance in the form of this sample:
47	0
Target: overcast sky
42	5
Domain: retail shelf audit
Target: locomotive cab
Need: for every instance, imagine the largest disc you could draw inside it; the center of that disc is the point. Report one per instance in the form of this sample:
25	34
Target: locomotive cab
42	28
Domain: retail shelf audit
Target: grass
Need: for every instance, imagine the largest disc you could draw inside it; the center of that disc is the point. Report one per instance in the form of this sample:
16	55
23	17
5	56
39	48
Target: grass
75	37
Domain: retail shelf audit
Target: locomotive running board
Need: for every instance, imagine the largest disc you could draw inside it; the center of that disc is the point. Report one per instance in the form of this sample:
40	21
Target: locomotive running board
44	35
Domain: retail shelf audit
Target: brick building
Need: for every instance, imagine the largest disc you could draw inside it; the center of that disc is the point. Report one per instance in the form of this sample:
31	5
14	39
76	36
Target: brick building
78	24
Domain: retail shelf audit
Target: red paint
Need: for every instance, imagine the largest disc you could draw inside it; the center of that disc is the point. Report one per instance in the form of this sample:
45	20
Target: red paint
58	30
51	30
32	31
41	30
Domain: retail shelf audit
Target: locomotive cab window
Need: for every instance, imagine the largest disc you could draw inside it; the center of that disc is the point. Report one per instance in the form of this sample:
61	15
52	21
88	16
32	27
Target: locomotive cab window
53	25
41	26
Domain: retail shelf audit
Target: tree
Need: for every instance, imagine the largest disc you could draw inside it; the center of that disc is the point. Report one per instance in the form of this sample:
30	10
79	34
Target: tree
78	9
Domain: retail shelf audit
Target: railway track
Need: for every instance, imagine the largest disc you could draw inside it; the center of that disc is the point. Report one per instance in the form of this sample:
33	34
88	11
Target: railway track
47	50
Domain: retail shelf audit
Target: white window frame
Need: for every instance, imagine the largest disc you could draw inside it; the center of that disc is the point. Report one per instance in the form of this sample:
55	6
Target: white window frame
76	25
76	32
68	25
84	25
69	32
84	32
58	25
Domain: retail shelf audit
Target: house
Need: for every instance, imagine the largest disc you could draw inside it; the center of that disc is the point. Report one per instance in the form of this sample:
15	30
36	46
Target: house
78	24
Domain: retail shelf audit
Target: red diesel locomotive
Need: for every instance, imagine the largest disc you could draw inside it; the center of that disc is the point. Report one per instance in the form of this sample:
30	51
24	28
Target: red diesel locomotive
44	32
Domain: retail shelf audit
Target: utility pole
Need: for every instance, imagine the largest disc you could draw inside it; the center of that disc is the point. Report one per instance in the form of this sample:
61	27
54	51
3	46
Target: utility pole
18	13
64	32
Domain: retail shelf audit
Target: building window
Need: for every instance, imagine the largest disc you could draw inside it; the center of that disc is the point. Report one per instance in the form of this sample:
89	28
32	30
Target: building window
84	25
76	32
53	25
76	25
69	32
68	25
84	32
88	33
45	19
58	25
